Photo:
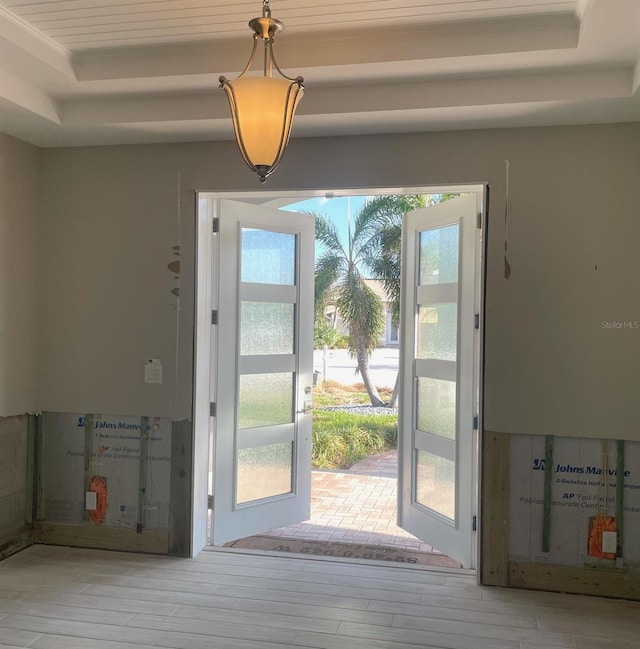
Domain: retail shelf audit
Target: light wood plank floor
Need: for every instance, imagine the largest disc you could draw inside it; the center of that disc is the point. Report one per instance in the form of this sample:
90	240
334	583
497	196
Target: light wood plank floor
62	598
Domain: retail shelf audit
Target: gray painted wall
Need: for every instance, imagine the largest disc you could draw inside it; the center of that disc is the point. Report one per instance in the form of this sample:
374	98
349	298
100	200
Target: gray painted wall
19	191
109	221
111	215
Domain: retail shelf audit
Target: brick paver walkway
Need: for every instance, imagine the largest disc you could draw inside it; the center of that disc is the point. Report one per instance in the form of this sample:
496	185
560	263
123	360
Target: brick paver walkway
357	505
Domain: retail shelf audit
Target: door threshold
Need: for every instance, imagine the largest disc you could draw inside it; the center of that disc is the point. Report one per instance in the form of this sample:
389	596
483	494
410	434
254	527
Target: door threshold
343	560
344	549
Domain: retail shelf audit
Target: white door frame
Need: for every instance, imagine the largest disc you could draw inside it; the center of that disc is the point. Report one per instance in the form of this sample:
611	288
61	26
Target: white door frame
202	385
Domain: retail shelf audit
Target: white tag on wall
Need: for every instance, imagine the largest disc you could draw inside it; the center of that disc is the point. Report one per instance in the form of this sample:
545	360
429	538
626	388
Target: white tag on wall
153	371
91	500
609	542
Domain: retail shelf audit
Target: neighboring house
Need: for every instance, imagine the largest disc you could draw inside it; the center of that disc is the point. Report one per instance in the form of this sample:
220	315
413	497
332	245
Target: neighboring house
389	337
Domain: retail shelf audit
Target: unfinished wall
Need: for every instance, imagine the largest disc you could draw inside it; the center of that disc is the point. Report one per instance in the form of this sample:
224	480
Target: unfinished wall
124	462
111	240
554	364
574	504
15	485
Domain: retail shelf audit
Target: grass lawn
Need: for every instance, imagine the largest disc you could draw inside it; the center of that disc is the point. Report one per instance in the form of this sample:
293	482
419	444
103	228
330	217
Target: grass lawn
340	439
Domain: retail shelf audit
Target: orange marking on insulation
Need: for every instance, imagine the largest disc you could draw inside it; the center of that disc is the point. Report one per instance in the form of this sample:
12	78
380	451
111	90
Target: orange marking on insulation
99	486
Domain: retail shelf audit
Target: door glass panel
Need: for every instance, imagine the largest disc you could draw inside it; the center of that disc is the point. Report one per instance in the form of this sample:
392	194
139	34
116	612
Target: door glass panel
439	255
265	399
438	331
435	483
264	471
268	257
266	328
437	407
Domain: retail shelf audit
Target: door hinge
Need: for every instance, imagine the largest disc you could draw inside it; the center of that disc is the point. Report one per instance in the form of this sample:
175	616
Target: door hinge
474	522
479	222
212	409
475	423
210	501
476	321
215	226
214	317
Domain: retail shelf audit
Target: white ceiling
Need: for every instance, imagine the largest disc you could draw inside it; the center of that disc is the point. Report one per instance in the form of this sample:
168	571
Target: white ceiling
124	71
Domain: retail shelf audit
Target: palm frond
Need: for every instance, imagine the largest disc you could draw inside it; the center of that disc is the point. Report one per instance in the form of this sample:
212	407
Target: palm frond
327	273
381	254
383	212
327	234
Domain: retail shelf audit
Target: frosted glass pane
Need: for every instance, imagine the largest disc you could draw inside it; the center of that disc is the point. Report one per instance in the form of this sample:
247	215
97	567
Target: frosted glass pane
437	407
266	328
439	255
436	483
438	331
265	399
264	471
268	257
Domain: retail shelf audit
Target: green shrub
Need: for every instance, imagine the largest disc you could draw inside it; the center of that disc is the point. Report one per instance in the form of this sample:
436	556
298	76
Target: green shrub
329	449
341	342
340	439
325	334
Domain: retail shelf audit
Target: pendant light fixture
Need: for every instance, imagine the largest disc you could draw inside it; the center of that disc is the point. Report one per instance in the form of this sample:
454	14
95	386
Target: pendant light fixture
262	107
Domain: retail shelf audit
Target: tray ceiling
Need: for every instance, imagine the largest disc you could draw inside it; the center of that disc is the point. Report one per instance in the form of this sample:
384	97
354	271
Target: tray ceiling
92	24
102	72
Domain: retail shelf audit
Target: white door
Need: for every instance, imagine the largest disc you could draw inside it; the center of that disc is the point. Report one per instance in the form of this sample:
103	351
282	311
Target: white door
262	422
439	369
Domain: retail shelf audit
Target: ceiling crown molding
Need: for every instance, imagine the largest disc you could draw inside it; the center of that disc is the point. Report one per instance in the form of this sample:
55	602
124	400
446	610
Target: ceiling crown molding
25	35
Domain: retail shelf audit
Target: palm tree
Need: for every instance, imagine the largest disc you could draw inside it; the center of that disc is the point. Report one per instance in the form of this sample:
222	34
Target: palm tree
374	245
382	255
339	279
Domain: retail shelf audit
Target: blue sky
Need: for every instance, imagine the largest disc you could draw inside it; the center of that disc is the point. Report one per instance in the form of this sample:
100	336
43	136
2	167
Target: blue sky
335	209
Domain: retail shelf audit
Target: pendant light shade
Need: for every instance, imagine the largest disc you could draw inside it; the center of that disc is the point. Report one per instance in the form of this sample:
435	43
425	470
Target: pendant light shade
262	107
262	110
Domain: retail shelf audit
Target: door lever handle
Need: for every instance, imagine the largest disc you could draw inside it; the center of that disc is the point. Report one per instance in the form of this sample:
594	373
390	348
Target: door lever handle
307	409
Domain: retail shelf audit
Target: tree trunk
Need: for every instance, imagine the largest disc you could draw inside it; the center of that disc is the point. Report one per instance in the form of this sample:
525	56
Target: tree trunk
394	396
363	368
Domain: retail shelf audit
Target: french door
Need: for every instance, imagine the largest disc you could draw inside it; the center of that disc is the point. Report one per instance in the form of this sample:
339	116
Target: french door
439	375
263	369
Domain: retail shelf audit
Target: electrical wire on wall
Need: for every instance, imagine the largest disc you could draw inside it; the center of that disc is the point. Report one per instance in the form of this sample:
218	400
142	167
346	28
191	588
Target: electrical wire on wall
177	251
507	265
